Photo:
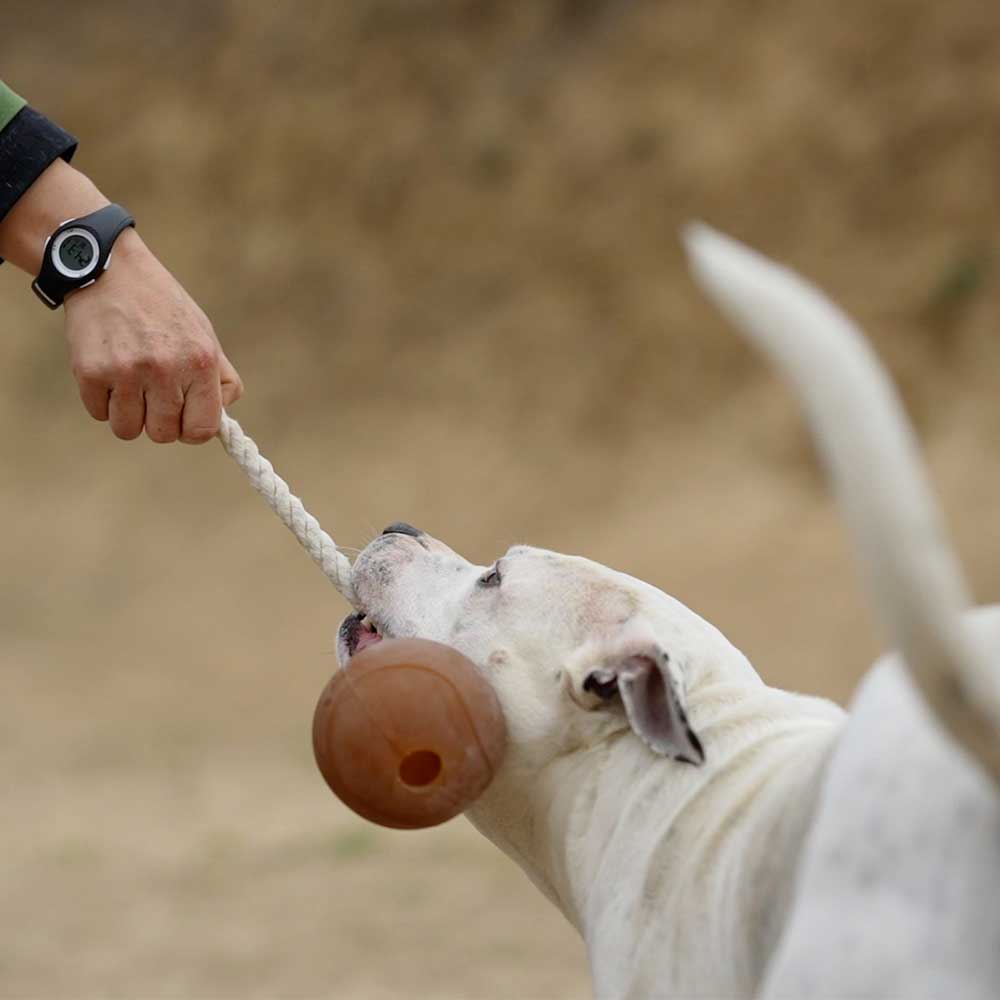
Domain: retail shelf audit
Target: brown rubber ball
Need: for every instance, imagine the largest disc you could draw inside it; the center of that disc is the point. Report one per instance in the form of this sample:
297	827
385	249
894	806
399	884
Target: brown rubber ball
409	733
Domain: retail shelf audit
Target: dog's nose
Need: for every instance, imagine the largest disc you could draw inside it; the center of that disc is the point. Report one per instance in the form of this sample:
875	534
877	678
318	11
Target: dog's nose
402	528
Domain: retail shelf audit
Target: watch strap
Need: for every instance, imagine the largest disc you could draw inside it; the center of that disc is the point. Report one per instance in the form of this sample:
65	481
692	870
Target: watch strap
106	225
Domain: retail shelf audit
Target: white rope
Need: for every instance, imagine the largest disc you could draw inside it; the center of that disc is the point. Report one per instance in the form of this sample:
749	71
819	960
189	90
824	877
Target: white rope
287	506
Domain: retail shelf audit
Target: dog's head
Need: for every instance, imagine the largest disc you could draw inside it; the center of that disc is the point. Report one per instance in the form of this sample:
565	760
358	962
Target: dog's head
576	652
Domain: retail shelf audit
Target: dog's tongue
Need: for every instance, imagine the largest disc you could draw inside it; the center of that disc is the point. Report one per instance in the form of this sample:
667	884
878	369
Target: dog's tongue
367	638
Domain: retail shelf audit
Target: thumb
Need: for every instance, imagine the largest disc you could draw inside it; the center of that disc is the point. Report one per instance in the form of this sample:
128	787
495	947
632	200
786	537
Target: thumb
229	381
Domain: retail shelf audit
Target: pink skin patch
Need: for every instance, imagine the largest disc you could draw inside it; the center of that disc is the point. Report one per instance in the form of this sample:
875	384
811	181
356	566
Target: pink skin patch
367	637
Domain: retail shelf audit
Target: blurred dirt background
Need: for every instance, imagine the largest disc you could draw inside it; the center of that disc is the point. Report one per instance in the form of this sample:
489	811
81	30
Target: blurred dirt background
439	240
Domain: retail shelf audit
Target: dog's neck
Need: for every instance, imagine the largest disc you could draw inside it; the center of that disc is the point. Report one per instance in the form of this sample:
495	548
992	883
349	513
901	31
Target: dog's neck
610	833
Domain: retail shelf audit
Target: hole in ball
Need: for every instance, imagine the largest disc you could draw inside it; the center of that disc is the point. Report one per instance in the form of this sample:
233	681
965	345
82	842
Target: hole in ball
419	768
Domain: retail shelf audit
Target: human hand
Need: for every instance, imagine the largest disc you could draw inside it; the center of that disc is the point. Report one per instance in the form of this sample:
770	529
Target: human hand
142	351
144	354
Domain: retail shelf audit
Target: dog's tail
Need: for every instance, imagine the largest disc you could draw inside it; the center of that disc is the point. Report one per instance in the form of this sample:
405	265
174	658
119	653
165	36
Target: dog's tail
871	454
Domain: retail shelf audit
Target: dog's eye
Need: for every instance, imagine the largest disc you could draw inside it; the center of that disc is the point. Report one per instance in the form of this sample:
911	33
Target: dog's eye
491	578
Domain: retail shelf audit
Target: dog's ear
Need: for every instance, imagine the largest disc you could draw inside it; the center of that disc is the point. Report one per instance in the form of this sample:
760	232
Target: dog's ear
653	702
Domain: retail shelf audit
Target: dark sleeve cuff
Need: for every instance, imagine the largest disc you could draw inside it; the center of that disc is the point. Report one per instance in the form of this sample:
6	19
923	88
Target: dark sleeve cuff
28	144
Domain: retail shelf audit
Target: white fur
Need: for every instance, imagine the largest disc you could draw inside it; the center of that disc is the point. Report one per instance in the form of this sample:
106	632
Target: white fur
678	876
913	575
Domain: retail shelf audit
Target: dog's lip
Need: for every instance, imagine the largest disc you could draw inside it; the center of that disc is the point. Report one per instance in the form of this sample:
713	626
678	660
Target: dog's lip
359	631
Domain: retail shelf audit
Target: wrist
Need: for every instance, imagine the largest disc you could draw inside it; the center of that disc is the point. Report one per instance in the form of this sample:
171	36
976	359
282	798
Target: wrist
130	246
129	257
60	193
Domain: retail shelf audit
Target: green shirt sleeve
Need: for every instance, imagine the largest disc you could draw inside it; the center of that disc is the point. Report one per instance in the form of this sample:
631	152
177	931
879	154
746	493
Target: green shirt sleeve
10	104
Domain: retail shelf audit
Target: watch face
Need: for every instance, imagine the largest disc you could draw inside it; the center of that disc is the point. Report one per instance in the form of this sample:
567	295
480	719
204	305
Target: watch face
76	253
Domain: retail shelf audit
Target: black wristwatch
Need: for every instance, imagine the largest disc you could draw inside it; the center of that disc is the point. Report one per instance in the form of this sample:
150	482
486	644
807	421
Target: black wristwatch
78	253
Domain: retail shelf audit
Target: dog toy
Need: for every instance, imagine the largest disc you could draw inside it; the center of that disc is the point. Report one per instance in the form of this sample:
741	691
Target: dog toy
409	733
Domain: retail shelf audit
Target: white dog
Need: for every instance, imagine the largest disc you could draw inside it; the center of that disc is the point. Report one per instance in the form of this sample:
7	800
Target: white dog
655	789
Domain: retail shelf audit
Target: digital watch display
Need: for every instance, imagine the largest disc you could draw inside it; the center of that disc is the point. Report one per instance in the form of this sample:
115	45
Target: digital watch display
75	253
78	253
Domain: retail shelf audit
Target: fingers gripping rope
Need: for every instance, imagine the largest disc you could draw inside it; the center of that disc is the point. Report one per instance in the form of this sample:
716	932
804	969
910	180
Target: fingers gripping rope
287	506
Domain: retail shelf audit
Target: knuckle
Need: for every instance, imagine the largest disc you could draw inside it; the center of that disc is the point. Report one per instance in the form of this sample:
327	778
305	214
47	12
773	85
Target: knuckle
157	365
126	391
153	362
202	359
125	371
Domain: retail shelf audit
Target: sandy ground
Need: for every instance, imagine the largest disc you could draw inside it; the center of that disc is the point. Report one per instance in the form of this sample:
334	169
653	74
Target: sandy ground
490	333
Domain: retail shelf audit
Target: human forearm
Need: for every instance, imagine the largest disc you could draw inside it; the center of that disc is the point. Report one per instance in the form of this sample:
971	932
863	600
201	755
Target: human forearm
142	352
29	144
60	193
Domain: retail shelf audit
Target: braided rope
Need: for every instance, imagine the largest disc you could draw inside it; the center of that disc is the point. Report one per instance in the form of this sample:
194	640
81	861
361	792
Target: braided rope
241	447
